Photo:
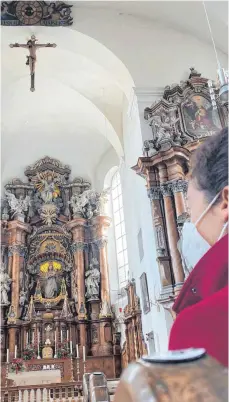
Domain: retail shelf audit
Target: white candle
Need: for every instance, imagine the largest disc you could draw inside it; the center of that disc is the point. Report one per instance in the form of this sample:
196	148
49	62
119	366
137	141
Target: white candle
84	353
15	352
77	351
7	356
61	336
71	347
67	335
27	338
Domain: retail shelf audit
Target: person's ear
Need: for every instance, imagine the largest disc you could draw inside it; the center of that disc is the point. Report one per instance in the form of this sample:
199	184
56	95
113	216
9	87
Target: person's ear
224	203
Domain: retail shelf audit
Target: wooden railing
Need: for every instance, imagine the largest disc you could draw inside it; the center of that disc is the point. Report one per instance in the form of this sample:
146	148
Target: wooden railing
63	392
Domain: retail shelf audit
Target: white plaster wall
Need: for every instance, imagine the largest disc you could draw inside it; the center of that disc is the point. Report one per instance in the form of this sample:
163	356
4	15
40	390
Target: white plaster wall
155	54
138	216
108	160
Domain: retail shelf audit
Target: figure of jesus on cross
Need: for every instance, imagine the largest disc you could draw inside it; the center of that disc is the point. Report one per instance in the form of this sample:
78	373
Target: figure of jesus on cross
32	58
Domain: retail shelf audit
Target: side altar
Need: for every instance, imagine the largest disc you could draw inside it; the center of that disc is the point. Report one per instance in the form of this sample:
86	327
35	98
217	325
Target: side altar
55	299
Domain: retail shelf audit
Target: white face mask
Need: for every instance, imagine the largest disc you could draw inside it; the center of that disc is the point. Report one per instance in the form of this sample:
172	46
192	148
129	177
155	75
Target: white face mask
193	246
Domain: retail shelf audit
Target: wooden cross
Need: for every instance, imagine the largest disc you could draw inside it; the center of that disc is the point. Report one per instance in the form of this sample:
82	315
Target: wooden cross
32	58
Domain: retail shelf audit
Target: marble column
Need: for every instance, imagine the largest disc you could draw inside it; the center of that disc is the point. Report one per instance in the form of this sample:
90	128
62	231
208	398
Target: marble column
77	227
12	341
172	235
101	223
163	258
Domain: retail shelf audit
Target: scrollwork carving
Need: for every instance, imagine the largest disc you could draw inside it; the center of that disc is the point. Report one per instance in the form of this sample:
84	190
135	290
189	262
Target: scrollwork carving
17	249
101	242
78	246
154	193
166	190
179	186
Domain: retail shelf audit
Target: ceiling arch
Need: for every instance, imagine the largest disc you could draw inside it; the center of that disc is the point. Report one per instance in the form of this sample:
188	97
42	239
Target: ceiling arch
80	87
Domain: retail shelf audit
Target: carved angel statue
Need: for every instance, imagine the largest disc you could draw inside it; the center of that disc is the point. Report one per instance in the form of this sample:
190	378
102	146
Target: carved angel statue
101	201
5	282
89	203
76	204
17	205
92	280
163	128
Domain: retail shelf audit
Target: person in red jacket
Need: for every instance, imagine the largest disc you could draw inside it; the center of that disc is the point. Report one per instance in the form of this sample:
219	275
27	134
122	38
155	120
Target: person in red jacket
202	305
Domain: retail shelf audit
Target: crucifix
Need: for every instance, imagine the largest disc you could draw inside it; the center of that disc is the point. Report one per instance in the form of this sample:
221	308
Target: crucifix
32	58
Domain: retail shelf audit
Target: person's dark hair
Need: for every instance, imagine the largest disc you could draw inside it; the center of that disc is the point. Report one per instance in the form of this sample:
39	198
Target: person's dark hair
209	165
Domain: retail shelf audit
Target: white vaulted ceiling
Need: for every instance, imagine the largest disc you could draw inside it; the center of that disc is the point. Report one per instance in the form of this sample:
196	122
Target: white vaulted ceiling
76	112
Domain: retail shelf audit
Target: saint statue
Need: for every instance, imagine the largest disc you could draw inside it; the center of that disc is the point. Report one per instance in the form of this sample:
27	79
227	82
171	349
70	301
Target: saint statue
48	187
17	205
50	283
93	280
5	282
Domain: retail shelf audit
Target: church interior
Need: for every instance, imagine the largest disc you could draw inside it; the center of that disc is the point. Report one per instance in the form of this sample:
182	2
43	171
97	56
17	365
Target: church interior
103	104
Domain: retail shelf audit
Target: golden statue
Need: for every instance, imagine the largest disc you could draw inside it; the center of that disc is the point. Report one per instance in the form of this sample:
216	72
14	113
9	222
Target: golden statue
47	352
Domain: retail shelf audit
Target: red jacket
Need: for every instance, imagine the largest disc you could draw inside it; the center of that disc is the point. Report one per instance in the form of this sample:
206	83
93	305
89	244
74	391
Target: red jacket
202	306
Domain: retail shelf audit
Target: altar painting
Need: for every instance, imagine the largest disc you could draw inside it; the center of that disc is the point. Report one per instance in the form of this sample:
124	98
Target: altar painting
200	118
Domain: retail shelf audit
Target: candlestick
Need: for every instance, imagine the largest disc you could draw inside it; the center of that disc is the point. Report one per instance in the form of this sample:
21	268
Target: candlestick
15	352
84	353
55	356
71	347
78	368
38	344
7	356
77	351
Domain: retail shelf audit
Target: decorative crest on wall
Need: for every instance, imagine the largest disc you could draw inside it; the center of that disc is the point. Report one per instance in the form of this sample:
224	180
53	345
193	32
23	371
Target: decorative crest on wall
184	114
51	14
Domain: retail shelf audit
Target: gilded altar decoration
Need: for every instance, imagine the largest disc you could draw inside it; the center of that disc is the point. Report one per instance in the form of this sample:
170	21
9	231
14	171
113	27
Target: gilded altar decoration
58	270
53	265
47	184
18	13
12	315
47	352
50	289
48	214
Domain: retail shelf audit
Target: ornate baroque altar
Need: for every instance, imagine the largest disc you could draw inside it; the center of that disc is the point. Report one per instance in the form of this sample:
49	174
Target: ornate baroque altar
180	121
55	301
